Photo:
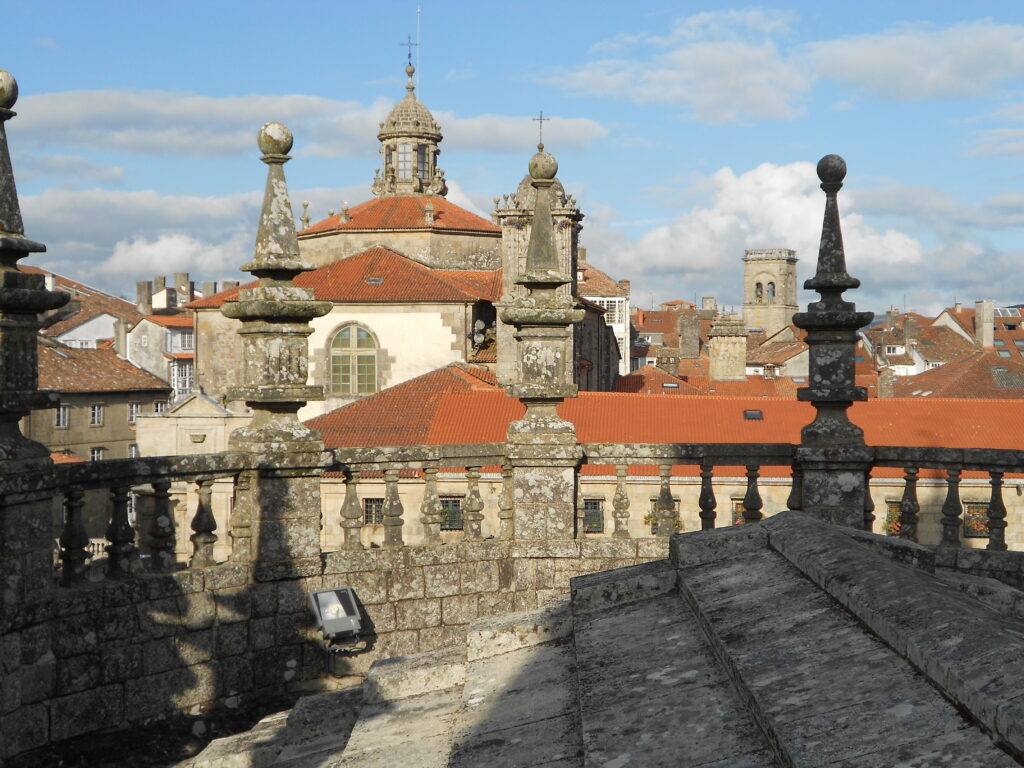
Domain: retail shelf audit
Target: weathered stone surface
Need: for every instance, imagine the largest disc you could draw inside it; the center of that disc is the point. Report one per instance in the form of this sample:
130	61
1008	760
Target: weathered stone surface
256	748
417	614
441	580
324	714
458	609
601	591
25	729
702	547
494	636
168	692
77	673
232	605
86	712
232	639
406	584
399	678
479	577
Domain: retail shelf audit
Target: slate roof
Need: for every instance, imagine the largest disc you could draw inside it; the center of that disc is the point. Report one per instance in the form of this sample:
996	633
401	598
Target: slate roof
64	369
380	275
982	374
90	303
403	212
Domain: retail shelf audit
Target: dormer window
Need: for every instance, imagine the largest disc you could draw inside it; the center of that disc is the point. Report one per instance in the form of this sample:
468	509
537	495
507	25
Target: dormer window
405	161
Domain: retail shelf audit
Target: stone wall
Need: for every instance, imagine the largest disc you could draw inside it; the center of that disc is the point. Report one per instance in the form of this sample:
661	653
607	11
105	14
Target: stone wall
438	249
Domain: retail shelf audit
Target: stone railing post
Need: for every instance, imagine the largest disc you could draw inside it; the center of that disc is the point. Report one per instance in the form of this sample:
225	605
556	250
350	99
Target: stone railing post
431	514
620	503
996	514
909	506
506	513
832	454
706	501
752	503
393	511
73	539
542	447
473	507
121	549
351	514
26	545
203	524
951	510
161	529
283	506
665	506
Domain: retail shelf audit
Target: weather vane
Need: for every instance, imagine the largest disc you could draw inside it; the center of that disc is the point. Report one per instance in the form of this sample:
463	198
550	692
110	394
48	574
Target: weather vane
540	128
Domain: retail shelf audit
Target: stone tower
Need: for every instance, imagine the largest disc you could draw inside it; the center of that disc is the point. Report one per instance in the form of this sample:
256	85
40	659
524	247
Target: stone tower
514	214
408	147
728	349
769	288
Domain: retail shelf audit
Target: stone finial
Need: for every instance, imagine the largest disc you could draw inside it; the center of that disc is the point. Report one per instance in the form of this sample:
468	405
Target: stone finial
428	213
344	215
410	84
541	253
305	214
10	211
831	274
277	246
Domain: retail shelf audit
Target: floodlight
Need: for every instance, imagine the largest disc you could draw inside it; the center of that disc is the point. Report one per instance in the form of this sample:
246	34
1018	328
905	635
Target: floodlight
337	615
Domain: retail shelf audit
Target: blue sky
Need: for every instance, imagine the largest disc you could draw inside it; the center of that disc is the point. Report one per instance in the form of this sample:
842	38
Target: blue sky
686	132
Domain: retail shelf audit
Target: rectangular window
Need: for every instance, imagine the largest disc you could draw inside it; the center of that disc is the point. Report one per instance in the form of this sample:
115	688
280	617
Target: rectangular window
62	416
405	161
133	412
891	524
96	454
422	167
159	406
975	519
1018	342
890	349
96	415
652	516
1003	352
593	515
133	451
451	513
373	511
187	339
144	341
737	511
613	309
998	343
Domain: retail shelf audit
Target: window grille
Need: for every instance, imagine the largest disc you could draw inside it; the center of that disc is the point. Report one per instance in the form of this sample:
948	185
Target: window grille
451	513
593	515
975	519
373	511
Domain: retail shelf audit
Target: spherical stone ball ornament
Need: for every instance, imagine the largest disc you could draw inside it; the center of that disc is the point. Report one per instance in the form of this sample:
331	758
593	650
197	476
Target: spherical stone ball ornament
275	139
8	89
543	165
831	169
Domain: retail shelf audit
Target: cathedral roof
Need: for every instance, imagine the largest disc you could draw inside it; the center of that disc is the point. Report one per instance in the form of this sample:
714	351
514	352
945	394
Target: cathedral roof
403	212
381	275
409	117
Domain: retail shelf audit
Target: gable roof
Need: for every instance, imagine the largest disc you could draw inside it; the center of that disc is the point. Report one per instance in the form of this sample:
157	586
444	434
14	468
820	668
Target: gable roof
597	283
65	369
172	318
653	380
982	374
87	303
382	275
403	212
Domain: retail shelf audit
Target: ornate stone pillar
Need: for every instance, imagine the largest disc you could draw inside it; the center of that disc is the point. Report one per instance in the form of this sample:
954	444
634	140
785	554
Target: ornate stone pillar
284	502
832	454
542	448
26	531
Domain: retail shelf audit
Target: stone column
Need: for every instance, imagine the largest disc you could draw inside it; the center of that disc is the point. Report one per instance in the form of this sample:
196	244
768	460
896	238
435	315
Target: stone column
283	502
542	447
832	455
26	527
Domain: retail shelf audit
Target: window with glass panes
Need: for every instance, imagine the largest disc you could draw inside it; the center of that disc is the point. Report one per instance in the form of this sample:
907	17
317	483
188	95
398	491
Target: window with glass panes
737	511
353	362
96	415
373	511
593	515
405	161
421	161
451	513
96	454
133	412
62	416
975	519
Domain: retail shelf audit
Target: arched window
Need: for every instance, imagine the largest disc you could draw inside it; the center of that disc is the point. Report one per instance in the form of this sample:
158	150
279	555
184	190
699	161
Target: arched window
353	362
758	292
771	292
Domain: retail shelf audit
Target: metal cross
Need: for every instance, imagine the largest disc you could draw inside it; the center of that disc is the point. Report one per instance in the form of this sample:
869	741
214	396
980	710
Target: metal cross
410	45
540	126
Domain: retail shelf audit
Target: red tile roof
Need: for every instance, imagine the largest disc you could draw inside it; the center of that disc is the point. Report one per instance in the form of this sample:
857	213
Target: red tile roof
60	457
597	283
653	380
979	375
381	275
64	369
172	318
403	212
87	304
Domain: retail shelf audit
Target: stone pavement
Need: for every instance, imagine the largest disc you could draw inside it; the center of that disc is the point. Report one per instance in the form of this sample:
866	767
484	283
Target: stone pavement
785	643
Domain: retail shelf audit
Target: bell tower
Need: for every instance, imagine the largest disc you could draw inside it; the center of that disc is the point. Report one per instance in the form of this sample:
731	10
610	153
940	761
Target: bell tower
769	288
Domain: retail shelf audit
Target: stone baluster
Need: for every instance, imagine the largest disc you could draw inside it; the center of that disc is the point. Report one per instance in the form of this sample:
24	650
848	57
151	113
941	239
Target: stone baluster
869	504
120	535
796	492
506	507
752	503
74	541
909	506
393	511
996	514
204	524
431	514
951	510
707	501
351	513
620	503
832	453
161	528
665	506
472	507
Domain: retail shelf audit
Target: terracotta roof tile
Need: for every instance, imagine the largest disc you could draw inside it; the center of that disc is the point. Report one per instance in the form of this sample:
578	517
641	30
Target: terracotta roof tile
597	283
172	318
653	380
86	304
403	212
982	374
381	275
64	369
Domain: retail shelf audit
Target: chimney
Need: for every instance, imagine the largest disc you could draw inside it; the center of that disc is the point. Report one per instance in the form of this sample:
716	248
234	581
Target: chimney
728	341
890	319
708	307
885	382
121	338
208	288
581	255
957	306
159	283
910	332
50	281
624	286
228	285
984	320
688	324
144	297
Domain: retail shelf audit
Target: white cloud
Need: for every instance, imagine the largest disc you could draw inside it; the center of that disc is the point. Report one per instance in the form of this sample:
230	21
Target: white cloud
141	257
964	60
514	134
69	170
